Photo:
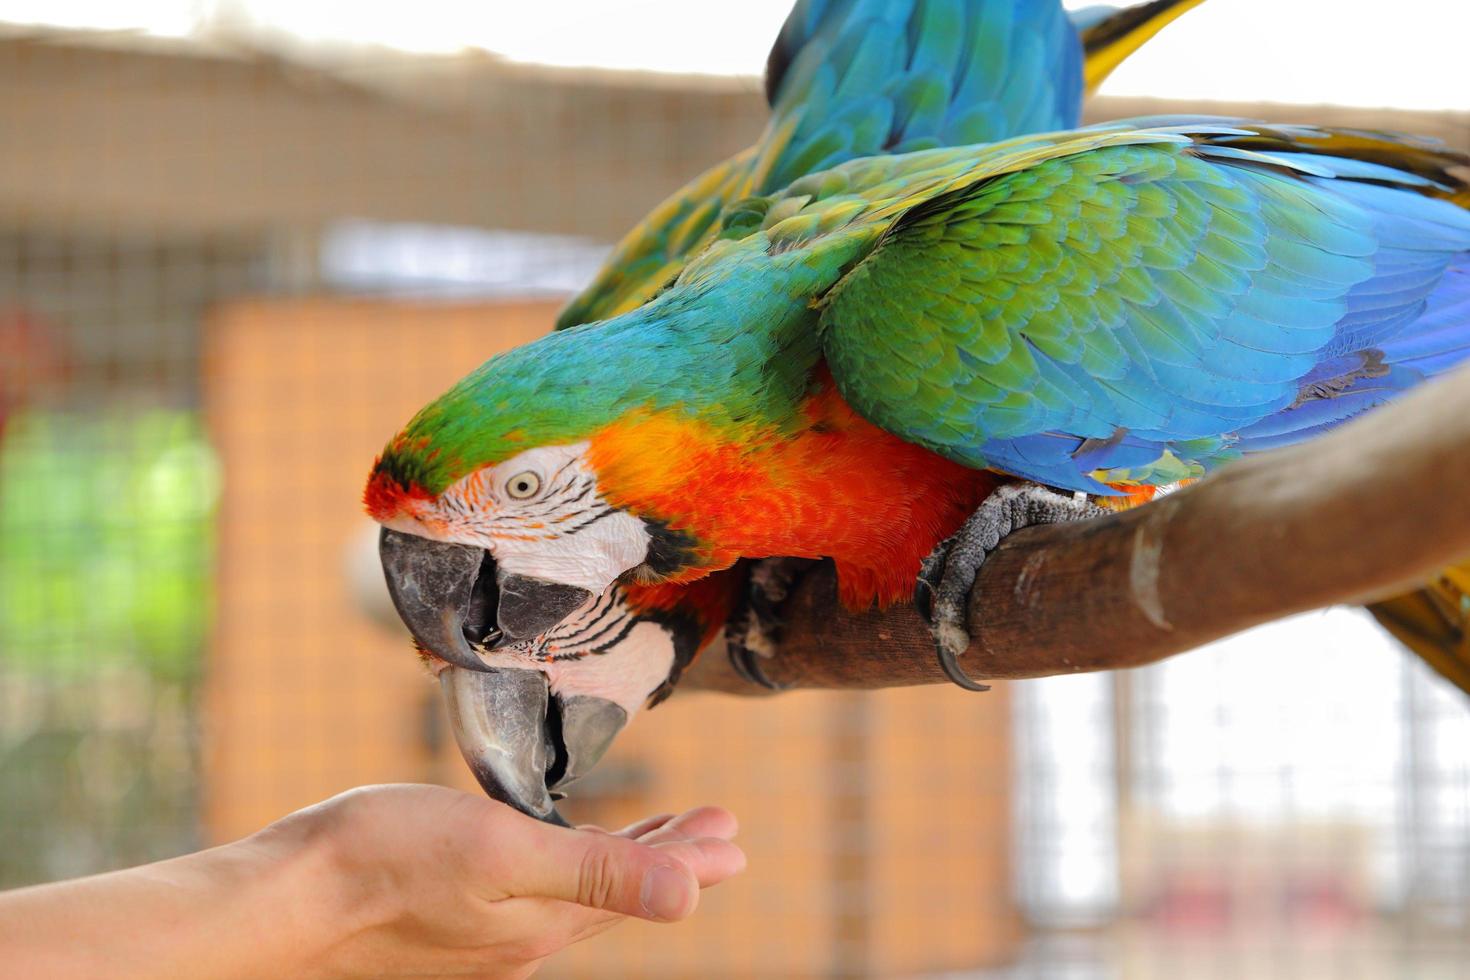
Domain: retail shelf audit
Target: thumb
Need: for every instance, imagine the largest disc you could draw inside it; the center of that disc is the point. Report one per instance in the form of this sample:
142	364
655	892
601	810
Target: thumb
603	871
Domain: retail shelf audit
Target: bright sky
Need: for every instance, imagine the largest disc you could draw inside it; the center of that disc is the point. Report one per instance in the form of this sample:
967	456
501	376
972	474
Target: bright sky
1409	53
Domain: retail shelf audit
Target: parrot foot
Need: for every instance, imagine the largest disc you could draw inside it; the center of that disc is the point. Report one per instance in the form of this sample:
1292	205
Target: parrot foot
948	574
754	631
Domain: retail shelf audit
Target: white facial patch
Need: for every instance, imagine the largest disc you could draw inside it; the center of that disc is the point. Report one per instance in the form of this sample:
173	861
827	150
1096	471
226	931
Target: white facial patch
626	676
603	650
540	514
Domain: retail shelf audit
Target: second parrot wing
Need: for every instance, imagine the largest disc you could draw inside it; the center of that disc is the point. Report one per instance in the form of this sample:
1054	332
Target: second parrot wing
856	78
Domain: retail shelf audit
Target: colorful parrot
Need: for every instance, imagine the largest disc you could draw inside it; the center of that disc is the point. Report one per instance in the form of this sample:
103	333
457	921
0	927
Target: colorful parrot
606	661
862	364
860	361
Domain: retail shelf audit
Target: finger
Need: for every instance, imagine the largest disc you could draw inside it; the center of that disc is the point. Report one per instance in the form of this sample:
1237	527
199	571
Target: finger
711	859
647	825
600	871
562	923
702	821
593	927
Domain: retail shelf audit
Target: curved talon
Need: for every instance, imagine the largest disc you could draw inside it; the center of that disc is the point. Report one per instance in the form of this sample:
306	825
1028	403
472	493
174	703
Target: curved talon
951	640
756	625
950	664
746	663
948	573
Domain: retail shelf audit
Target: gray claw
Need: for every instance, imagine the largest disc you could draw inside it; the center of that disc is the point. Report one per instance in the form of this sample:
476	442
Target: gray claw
947	575
754	631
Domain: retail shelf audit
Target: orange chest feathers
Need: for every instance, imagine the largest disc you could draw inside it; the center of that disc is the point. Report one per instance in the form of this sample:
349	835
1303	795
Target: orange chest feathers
832	485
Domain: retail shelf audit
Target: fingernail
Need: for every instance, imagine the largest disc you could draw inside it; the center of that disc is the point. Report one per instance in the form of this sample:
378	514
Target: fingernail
665	892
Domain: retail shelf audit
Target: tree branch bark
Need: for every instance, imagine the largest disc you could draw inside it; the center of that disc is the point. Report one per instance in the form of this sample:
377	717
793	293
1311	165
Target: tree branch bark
1373	508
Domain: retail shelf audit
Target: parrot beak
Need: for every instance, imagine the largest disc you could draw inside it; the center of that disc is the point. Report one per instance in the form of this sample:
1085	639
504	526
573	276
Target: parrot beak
447	595
433	587
530	606
521	743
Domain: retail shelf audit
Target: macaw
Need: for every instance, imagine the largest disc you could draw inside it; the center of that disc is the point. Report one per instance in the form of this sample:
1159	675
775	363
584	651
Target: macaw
863	363
833	70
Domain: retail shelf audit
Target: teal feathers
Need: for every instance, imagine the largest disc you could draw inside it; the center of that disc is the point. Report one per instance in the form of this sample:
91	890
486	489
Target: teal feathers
685	350
1130	302
857	78
860	78
1146	308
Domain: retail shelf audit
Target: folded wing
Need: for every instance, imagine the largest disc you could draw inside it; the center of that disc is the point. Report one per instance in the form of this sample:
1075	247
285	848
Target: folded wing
1127	304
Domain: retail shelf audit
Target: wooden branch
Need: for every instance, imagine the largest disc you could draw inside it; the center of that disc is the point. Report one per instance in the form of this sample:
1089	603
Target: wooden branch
1373	508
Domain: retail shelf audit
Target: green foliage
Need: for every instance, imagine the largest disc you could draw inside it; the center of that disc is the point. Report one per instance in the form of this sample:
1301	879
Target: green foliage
105	542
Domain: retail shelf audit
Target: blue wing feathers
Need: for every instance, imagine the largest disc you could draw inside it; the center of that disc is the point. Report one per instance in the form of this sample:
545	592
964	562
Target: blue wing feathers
1244	301
1431	337
1403	317
867	77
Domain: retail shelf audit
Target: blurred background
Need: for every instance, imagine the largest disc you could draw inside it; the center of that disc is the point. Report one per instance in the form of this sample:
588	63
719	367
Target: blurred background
240	242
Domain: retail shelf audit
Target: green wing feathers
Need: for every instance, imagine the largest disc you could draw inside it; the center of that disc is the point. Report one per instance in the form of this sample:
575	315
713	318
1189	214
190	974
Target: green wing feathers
1140	304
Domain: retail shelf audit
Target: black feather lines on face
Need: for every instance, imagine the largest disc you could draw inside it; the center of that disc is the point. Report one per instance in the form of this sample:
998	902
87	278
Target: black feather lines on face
577	492
607	625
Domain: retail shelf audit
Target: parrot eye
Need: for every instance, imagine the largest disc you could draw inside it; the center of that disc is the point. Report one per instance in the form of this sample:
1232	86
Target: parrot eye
523	485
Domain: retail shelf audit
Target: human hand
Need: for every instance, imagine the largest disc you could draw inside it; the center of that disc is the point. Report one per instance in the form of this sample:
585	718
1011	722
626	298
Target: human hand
434	881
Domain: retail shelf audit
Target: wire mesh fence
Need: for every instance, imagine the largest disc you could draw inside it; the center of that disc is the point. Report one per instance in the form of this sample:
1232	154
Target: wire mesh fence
227	276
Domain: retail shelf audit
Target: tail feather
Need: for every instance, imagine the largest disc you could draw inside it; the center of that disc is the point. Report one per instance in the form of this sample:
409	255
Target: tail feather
1110	35
1434	622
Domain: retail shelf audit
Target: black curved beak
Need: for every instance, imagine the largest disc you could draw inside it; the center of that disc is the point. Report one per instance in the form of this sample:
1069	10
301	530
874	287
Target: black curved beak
521	743
452	598
499	722
433	587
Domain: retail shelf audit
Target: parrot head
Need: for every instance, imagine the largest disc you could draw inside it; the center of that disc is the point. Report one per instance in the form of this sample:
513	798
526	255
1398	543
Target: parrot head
645	451
523	581
533	715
